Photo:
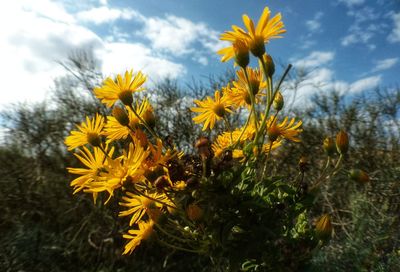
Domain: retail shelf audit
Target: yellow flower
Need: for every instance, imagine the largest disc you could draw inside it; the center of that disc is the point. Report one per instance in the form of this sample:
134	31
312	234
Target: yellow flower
286	130
121	169
89	133
239	94
223	141
239	48
95	164
255	38
266	30
137	236
120	89
211	110
115	131
139	205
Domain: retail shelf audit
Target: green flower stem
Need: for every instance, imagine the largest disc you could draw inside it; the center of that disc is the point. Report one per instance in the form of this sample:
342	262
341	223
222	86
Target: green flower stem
171	235
268	108
179	248
105	153
228	126
243	130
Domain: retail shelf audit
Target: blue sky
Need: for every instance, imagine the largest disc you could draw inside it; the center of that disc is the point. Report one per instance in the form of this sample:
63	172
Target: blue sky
350	45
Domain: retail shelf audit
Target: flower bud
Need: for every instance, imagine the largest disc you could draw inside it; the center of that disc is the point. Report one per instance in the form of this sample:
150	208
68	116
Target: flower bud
241	50
359	176
278	101
204	147
269	65
194	212
303	164
323	228
329	146
121	116
342	142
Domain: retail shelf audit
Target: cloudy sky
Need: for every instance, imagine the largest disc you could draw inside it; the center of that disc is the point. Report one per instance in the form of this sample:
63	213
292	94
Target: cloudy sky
352	45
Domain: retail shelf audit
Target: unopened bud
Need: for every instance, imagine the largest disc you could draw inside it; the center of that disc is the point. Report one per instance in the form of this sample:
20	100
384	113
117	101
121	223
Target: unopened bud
121	116
303	164
269	65
204	147
278	101
324	228
194	212
329	146
359	176
342	142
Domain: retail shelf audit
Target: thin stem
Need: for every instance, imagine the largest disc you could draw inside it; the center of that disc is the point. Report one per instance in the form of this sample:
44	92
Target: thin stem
105	153
171	235
228	126
266	161
179	248
243	130
268	108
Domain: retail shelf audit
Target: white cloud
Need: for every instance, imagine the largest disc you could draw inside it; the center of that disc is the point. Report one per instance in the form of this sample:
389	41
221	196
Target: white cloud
105	14
31	47
394	36
356	37
318	78
118	57
385	64
38	39
364	84
177	35
366	25
314	25
351	3
314	59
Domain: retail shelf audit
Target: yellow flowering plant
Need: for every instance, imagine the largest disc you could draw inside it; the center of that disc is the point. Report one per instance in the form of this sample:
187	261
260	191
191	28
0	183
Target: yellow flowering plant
224	201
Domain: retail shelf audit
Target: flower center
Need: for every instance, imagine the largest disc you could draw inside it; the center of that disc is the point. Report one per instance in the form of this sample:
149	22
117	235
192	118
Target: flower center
257	46
219	110
93	138
126	97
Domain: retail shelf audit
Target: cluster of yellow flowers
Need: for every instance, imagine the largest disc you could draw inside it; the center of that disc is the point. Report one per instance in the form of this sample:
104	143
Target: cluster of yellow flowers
142	171
253	89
